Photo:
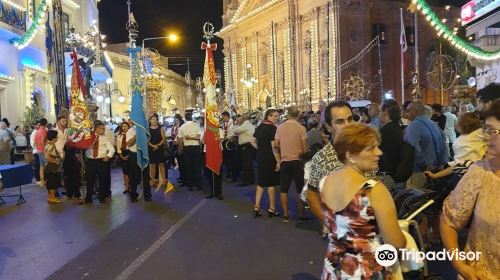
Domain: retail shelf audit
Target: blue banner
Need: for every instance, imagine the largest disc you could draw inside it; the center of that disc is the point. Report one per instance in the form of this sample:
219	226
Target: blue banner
137	112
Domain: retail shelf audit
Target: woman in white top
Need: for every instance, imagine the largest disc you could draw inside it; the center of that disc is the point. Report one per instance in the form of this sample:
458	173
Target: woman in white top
470	146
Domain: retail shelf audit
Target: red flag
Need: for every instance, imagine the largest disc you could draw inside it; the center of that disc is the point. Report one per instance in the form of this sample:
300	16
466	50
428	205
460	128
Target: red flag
212	134
80	125
403	42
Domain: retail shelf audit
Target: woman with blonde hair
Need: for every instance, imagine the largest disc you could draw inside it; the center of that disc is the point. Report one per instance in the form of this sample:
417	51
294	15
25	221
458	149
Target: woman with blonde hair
359	212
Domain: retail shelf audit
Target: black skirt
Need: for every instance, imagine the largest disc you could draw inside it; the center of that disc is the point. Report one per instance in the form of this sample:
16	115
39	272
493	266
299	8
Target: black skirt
53	180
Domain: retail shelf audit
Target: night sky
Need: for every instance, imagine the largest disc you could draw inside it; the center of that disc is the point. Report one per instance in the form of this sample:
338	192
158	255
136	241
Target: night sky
156	18
185	17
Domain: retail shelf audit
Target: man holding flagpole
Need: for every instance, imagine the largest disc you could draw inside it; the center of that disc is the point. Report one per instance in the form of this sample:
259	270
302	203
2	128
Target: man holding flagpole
137	143
212	135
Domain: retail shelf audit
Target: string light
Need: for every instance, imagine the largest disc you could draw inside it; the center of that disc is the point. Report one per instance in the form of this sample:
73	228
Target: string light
72	3
14	5
6	77
235	20
36	26
451	37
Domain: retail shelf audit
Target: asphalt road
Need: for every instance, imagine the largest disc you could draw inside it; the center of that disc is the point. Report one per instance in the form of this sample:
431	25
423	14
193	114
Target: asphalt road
178	236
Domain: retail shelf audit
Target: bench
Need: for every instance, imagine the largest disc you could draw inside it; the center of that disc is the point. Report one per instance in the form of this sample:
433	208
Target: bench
16	176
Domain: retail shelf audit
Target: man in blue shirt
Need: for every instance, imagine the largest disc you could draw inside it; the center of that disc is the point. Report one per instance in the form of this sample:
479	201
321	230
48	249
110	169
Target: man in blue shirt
431	151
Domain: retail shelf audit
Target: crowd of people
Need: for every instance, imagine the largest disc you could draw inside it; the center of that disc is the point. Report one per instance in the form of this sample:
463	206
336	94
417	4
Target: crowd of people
344	163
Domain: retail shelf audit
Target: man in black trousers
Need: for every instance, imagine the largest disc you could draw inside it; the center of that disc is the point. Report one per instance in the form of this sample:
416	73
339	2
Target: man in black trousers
98	155
188	142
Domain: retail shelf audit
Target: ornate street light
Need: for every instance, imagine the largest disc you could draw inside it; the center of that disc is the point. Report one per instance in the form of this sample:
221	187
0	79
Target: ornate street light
249	82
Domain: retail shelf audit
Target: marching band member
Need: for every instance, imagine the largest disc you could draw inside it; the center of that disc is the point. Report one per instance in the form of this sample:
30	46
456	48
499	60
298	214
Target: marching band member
229	147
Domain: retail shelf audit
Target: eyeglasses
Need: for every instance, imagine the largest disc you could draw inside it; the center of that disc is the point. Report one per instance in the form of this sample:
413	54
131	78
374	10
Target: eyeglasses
490	131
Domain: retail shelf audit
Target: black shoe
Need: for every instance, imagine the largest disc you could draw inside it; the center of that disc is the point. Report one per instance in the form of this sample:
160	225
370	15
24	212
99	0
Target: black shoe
197	189
148	199
272	213
134	200
125	192
102	200
219	197
303	220
256	212
286	219
209	196
86	200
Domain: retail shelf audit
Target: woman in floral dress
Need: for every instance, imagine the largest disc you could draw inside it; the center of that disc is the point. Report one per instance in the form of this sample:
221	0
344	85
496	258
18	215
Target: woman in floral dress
474	203
359	212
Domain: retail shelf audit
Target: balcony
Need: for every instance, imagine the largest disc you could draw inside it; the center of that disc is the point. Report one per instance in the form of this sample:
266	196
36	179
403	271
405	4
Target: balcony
13	14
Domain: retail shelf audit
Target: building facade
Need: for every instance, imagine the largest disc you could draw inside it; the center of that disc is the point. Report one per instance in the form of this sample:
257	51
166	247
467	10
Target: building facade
280	52
25	77
482	21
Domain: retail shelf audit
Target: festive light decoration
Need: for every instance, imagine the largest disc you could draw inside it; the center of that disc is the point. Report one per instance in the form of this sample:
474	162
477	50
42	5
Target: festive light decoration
6	77
235	20
72	4
287	59
315	90
234	74
243	58
15	5
255	72
37	25
446	33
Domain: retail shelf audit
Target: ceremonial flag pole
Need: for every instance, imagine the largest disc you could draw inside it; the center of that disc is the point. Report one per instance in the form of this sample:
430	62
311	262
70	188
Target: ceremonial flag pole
137	111
212	137
404	48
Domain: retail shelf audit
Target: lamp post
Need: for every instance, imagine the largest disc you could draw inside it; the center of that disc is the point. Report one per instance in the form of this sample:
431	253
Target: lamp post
172	38
248	82
107	100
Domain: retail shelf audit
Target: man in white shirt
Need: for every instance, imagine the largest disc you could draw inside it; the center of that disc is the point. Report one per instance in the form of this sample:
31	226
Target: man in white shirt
36	160
136	174
245	131
229	146
62	136
449	128
98	155
188	142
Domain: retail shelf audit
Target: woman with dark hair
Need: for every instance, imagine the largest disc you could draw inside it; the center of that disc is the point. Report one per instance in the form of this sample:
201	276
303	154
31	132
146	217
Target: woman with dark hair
121	143
359	212
267	168
156	146
392	140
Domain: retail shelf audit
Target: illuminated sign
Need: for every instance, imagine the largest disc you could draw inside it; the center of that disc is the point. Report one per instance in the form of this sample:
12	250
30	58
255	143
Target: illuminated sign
475	9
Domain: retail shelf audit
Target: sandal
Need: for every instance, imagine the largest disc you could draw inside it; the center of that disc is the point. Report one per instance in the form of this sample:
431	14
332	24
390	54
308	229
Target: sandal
272	213
256	212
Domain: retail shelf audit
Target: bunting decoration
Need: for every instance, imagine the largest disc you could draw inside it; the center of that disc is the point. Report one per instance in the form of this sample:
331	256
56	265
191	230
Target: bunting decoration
212	136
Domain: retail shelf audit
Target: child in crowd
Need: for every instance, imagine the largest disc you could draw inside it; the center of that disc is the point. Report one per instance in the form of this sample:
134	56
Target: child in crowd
53	167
